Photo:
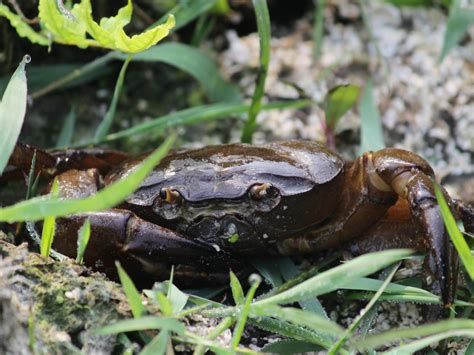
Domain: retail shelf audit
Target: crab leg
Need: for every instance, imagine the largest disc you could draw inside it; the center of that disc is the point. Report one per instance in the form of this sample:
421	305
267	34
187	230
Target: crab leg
55	162
374	182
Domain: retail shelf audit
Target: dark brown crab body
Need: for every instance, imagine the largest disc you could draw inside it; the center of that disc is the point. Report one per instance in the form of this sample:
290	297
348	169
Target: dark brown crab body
211	207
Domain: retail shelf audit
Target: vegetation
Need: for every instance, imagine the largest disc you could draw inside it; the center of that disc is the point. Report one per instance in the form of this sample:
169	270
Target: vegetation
290	308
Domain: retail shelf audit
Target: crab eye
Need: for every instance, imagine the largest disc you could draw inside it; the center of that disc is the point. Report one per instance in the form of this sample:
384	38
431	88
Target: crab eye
170	195
258	192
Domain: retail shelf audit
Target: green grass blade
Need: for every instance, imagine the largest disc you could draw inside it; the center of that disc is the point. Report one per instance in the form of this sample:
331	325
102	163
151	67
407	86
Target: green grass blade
41	207
298	317
194	62
337	346
186	11
318	29
371	125
417	345
263	25
106	123
290	346
67	130
12	112
157	345
82	240
133	296
142	323
391	336
459	20
49	225
453	231
289	330
333	279
242	319
177	297
367	284
236	287
195	115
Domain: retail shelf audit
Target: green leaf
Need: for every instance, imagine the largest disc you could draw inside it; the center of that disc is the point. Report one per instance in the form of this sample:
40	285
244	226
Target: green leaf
298	317
12	112
335	349
415	346
64	29
67	130
40	207
142	323
110	33
453	231
459	20
290	346
106	123
336	277
391	336
133	296
49	225
187	11
338	101
242	318
22	28
371	125
195	115
263	25
82	240
157	345
177	297
237	291
194	62
411	3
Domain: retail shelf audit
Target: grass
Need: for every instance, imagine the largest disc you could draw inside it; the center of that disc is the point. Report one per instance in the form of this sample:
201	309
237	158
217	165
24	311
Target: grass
271	309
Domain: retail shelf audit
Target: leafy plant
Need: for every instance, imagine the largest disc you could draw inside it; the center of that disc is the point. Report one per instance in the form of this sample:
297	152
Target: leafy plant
74	28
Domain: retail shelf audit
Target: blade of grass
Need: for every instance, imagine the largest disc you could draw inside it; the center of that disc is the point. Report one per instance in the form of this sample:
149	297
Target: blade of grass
49	224
185	12
350	331
12	112
225	324
263	25
318	31
332	279
453	231
195	63
157	345
106	123
388	337
142	323
371	126
40	207
82	240
290	346
67	130
298	317
194	115
459	20
133	296
236	287
242	318
419	344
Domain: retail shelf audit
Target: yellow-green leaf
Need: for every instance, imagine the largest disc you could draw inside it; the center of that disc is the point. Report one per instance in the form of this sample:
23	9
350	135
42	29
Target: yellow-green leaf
110	33
22	28
64	29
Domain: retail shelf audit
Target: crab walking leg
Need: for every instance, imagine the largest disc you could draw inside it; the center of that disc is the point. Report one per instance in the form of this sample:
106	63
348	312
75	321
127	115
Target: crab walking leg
374	183
412	179
142	247
52	163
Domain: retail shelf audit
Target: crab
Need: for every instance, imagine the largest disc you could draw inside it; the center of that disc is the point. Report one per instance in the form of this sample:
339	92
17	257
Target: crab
212	208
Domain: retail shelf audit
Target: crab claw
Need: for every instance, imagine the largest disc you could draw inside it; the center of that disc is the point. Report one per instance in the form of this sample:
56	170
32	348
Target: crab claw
146	250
